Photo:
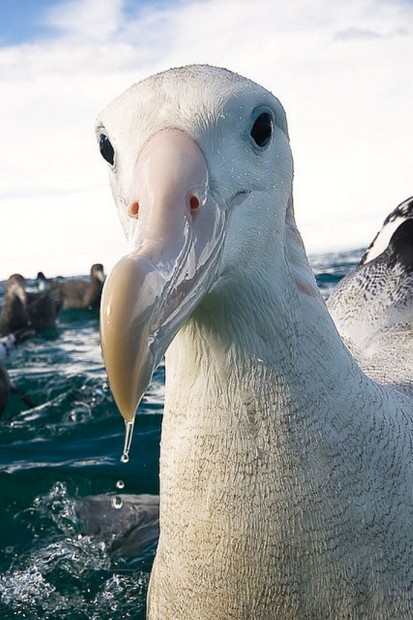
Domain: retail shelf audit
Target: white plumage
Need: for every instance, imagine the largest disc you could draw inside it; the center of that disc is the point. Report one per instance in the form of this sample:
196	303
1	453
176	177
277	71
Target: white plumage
286	486
373	305
7	344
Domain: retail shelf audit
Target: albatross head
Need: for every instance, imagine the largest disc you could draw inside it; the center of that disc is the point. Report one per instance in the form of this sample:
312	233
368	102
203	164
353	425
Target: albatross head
201	172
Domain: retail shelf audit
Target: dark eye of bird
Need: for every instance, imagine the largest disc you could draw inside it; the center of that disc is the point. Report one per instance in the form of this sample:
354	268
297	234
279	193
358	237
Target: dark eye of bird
106	149
261	131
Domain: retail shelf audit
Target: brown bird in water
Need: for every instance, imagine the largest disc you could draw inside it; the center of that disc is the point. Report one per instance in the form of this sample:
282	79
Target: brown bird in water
22	309
80	293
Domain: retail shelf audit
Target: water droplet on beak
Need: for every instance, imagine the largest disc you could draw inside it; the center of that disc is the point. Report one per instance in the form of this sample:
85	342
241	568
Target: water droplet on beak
128	441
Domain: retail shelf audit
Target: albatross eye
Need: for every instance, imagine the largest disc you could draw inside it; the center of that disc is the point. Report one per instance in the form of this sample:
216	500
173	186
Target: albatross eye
261	130
106	149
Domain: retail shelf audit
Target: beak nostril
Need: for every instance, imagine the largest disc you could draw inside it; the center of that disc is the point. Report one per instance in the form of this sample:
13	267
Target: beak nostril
194	202
133	210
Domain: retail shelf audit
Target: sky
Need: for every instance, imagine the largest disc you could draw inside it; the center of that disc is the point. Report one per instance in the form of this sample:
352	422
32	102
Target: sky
343	71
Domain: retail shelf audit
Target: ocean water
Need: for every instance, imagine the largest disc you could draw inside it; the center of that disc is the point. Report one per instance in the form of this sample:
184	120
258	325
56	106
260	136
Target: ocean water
61	439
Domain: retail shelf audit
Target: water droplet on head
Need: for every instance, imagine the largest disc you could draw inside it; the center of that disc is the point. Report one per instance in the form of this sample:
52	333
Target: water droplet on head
120	484
117	502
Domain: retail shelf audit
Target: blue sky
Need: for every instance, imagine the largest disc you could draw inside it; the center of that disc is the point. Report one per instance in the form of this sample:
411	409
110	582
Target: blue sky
341	69
24	21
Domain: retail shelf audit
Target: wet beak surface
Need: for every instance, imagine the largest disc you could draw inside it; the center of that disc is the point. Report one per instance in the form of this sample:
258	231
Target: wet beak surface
175	234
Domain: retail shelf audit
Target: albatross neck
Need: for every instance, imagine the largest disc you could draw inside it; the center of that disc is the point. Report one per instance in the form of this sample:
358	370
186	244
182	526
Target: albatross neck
260	391
268	341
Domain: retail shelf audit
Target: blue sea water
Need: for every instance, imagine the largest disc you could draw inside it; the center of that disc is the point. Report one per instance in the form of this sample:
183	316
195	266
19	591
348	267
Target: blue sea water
61	439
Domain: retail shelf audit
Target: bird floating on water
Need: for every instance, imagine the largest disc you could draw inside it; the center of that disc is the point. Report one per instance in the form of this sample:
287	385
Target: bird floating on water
81	293
286	472
24	310
373	305
8	345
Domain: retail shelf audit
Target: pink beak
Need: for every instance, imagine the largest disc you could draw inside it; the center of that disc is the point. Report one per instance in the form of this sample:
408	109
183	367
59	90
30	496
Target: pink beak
176	230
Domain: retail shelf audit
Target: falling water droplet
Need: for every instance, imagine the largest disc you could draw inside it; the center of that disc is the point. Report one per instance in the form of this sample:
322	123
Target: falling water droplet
117	502
128	440
120	484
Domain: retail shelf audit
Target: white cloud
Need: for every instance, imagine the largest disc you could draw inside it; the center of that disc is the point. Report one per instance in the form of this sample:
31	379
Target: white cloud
360	33
86	19
342	71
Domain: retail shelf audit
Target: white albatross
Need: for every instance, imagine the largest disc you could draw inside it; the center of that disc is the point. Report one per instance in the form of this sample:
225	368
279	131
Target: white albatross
286	473
373	305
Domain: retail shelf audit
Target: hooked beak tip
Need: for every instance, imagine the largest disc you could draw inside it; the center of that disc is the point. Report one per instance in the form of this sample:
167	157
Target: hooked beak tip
125	337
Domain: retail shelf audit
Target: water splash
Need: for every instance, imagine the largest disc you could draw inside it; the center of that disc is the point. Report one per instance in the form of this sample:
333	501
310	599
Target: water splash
128	441
117	502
